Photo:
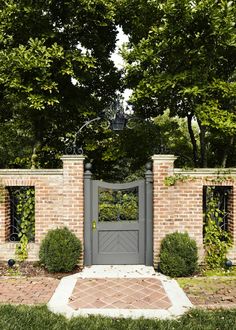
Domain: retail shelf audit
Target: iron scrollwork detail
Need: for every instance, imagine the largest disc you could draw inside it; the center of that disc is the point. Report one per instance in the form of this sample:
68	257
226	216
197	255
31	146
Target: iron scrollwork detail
17	214
73	149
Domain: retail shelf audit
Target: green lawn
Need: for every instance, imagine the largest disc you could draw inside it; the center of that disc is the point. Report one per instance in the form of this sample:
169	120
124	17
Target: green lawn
39	318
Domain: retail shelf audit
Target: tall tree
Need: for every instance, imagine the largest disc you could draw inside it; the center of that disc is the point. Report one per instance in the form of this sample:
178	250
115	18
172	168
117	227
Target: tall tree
55	69
181	57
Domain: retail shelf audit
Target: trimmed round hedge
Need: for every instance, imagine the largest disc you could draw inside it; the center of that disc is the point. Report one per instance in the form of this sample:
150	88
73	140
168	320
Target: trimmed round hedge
178	255
60	250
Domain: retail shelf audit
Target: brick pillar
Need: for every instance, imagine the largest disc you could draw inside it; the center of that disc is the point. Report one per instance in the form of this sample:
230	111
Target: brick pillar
232	221
230	207
73	194
163	166
7	215
4	215
233	210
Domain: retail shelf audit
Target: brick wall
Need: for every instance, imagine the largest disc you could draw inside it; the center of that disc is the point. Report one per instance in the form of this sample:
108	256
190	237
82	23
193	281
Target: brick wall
180	207
58	202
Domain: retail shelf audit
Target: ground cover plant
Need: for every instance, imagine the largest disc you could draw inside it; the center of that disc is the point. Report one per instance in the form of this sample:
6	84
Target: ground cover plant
39	318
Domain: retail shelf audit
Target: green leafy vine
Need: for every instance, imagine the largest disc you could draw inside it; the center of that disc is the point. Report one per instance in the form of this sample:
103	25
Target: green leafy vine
217	241
173	179
2	193
221	176
25	211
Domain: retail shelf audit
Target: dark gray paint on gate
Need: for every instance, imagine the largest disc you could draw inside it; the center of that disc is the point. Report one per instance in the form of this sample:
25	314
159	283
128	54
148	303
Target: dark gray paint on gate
132	241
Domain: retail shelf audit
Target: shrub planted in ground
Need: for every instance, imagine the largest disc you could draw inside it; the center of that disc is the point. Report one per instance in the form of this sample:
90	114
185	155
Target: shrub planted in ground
60	250
178	255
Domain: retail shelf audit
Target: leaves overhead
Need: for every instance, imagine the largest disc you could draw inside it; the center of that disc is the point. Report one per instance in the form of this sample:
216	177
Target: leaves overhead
184	61
55	66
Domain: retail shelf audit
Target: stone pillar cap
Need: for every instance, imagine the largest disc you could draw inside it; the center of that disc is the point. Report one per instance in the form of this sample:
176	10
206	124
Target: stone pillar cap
72	157
162	158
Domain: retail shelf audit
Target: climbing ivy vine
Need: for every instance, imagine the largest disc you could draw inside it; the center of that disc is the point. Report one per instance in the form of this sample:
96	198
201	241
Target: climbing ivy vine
173	179
2	195
25	210
217	241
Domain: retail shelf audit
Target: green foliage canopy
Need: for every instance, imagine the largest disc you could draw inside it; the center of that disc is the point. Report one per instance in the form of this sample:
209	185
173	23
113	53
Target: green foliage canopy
184	61
55	66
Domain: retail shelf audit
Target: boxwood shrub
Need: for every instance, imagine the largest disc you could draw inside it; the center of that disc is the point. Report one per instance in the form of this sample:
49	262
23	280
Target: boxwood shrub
178	255
60	250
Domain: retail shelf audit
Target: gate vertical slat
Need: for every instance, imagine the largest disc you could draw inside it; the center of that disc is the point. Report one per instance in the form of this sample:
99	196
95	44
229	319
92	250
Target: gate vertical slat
87	215
149	214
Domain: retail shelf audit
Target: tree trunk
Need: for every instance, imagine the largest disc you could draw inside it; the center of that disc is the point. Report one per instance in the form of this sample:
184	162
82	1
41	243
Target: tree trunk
193	140
226	152
38	141
202	135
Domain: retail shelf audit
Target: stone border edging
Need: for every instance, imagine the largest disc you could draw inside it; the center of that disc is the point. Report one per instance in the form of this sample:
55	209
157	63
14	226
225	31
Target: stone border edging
180	302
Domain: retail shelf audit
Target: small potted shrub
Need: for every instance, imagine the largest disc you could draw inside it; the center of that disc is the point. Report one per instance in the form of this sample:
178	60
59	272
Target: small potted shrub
178	255
60	250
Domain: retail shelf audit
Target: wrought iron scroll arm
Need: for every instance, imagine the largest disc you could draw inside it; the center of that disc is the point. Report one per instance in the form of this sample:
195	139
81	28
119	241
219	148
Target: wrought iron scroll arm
82	127
73	149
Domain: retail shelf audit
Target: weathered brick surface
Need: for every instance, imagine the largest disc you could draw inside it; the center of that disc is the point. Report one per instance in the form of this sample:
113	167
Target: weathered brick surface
73	195
180	207
59	201
27	291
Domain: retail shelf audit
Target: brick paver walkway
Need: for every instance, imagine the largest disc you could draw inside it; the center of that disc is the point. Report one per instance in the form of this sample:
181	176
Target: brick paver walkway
119	293
27	290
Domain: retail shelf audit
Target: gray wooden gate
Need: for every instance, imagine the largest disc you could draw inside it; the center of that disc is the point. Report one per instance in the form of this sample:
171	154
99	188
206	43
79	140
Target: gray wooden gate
118	221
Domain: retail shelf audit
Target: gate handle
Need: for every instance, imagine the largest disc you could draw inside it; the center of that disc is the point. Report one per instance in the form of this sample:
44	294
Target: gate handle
94	225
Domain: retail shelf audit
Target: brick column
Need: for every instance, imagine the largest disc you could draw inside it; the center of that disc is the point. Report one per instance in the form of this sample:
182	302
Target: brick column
233	210
73	194
230	207
163	166
4	215
232	221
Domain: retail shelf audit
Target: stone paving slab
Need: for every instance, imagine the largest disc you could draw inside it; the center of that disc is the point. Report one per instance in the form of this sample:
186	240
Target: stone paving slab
119	291
115	291
27	291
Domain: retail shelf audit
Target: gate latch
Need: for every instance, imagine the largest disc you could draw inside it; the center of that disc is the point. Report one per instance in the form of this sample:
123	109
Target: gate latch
94	225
